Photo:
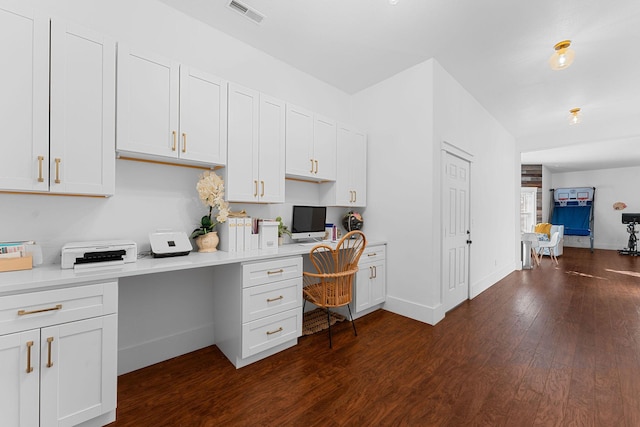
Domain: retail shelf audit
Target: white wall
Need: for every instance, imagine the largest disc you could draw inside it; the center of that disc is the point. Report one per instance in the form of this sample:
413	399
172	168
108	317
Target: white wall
407	117
149	196
612	185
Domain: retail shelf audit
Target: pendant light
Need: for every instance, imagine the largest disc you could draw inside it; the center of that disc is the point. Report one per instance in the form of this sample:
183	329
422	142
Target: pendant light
563	56
574	116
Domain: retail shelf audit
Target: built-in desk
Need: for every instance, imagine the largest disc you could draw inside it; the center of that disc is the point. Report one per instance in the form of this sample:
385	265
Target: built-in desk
48	314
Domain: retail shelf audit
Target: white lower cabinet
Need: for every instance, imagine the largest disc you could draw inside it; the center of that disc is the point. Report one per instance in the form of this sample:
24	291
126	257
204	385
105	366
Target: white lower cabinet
257	308
371	288
58	356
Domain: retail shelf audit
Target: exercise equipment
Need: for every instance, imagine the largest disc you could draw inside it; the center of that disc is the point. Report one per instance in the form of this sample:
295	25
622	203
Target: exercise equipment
631	219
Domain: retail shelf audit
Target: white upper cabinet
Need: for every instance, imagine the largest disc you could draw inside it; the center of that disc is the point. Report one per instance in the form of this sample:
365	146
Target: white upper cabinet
167	111
256	147
350	188
24	103
83	90
311	145
74	152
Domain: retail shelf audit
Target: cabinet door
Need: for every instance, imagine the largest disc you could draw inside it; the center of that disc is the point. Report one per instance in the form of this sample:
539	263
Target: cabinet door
242	163
78	370
271	161
364	277
20	387
351	175
83	85
24	103
358	169
324	148
299	138
379	283
203	117
147	103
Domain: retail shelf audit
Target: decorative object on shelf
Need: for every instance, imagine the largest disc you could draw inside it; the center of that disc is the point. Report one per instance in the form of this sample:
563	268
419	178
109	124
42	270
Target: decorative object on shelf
352	221
563	55
208	242
239	214
619	206
282	230
211	191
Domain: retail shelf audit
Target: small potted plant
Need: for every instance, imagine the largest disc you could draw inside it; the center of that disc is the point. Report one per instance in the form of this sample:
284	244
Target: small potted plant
282	230
211	192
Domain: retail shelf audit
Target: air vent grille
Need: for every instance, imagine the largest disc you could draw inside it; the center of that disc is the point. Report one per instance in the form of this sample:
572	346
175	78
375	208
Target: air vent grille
251	14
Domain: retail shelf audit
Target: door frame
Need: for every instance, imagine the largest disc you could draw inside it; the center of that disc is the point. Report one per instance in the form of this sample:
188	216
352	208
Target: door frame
448	148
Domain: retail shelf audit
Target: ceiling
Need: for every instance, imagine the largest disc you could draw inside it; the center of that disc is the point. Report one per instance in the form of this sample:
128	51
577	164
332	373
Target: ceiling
496	49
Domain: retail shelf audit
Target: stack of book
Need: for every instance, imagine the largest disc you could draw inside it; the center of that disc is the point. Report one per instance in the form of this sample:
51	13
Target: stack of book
14	256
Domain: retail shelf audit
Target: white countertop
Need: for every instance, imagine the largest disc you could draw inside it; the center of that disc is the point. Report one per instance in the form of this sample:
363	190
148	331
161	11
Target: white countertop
52	276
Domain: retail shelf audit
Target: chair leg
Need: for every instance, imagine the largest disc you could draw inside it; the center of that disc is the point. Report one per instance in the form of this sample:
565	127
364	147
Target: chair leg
553	255
329	323
352	322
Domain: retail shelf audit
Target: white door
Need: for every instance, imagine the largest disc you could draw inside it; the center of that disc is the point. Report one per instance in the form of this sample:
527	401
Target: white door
455	219
203	117
271	149
20	378
83	109
78	370
242	163
24	100
147	103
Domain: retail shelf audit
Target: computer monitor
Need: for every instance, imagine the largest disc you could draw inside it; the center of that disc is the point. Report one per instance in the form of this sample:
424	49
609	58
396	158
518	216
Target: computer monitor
630	218
308	222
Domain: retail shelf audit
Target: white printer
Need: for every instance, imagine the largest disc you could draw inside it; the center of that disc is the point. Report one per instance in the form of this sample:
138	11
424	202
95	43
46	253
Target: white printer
98	253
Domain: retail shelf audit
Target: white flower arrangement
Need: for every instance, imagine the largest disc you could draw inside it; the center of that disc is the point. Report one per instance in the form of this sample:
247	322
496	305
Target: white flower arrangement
211	191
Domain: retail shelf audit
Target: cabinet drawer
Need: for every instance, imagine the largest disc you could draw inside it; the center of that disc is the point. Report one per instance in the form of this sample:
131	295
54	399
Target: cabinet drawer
39	309
261	335
264	300
373	253
260	273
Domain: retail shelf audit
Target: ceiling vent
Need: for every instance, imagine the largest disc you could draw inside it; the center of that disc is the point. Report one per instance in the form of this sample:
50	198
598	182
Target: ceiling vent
246	11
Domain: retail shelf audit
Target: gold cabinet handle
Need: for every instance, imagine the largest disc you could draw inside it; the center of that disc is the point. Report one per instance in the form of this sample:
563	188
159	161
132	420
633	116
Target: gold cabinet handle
262	184
40	160
255	183
275	299
350	196
173	146
311	160
57	160
355	196
316	162
372	254
276	331
184	142
370	272
49	362
375	272
42	310
29	367
276	271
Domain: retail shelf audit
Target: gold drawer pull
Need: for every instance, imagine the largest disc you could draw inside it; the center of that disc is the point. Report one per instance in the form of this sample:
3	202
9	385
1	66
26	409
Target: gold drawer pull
49	362
173	145
275	272
262	193
42	310
316	162
311	160
40	160
275	332
29	367
184	142
275	299
255	183
372	254
57	181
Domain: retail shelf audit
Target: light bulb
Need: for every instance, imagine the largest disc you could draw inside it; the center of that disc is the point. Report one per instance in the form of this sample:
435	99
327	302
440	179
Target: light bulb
574	116
563	56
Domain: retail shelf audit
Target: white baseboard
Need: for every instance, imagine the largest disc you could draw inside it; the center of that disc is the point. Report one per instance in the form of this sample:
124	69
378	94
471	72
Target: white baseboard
157	350
486	282
412	310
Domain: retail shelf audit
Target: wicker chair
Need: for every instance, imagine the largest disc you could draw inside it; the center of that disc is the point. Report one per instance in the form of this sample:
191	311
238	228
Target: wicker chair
332	283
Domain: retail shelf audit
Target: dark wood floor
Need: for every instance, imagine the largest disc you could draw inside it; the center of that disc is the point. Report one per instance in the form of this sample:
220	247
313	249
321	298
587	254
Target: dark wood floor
545	347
